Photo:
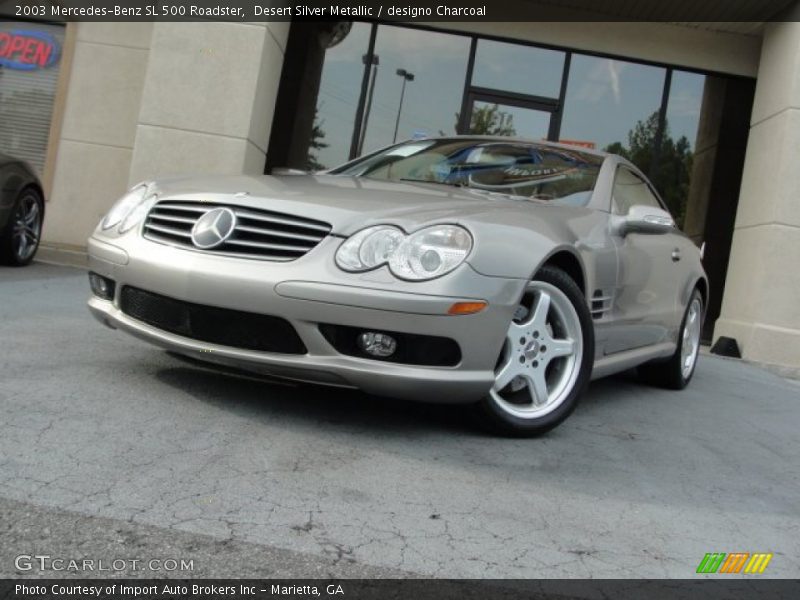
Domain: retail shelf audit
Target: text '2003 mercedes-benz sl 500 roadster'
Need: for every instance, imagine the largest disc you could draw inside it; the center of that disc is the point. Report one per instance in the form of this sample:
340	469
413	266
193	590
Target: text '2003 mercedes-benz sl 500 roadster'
499	273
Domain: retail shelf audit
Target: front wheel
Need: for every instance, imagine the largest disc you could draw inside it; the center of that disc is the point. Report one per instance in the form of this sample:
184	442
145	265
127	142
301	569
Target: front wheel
546	360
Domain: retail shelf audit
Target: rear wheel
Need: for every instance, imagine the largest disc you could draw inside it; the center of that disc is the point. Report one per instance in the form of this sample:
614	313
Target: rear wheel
20	239
546	359
676	372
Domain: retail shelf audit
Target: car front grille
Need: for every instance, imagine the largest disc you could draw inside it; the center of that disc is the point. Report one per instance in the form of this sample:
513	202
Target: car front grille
234	328
259	234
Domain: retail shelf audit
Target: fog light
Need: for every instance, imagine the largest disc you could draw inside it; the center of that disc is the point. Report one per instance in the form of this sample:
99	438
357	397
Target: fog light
377	344
102	287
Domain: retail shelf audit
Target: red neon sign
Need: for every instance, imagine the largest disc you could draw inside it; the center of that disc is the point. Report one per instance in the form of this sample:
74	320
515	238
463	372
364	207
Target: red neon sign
27	50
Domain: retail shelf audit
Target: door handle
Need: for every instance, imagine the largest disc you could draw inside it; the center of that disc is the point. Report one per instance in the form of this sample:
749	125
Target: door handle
676	255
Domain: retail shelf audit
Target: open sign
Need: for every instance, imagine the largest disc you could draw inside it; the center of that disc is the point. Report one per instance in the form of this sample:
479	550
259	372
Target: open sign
27	50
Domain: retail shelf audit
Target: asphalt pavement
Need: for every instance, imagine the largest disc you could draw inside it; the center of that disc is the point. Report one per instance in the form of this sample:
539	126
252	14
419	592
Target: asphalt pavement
111	448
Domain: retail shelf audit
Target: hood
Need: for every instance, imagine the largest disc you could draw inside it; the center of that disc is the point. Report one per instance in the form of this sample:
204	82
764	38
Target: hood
352	203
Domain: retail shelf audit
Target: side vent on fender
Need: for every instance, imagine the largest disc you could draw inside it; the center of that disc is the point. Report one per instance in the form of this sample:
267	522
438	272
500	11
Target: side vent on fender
601	303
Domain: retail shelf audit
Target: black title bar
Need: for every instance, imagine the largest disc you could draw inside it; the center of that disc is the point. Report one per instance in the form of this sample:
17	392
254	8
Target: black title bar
740	588
400	10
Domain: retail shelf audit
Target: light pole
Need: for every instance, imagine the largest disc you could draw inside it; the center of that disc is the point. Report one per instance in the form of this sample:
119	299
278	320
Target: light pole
365	120
406	77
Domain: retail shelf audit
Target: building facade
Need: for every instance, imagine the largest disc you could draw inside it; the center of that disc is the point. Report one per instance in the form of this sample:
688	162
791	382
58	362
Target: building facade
711	111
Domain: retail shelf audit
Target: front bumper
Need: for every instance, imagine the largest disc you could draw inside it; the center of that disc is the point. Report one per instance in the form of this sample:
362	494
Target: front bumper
308	292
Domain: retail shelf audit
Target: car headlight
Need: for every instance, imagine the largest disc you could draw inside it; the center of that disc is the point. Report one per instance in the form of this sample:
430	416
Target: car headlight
124	206
369	248
425	254
431	252
137	214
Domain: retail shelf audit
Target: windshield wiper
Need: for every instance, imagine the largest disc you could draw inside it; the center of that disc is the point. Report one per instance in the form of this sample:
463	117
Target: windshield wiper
492	193
409	179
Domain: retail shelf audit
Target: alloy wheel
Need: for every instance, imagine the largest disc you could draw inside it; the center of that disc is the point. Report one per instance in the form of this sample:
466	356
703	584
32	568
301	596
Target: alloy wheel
27	228
690	342
542	354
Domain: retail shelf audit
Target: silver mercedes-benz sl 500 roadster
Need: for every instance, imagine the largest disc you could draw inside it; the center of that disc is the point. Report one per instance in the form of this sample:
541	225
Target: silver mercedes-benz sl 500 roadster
494	272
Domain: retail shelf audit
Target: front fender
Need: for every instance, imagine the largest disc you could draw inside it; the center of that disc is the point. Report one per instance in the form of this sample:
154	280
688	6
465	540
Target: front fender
517	245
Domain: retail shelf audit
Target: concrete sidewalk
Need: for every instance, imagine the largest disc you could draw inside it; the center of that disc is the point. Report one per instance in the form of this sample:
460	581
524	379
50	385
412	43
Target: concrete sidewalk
639	482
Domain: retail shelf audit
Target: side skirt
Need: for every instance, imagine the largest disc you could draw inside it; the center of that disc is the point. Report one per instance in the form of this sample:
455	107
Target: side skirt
622	361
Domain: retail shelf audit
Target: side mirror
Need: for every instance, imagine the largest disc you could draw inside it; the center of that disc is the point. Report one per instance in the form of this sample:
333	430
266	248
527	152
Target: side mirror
644	219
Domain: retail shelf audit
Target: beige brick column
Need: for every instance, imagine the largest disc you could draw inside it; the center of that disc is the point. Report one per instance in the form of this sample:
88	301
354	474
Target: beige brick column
95	144
208	98
761	305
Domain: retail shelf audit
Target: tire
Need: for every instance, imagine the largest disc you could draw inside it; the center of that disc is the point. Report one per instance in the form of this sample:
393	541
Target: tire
676	372
20	238
548	353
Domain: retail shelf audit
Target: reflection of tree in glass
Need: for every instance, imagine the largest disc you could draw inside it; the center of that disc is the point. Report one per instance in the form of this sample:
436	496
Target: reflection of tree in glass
490	120
316	143
673	169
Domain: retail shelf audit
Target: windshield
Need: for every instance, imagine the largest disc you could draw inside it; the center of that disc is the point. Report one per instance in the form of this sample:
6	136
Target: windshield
517	169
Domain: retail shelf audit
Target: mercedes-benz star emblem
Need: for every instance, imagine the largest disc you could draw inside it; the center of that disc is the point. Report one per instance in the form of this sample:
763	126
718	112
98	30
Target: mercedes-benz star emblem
213	228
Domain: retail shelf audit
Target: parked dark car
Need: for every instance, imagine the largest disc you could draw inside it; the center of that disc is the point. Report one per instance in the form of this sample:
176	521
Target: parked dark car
21	211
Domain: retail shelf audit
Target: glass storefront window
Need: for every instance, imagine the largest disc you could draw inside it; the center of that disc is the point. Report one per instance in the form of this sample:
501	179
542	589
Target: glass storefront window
431	101
417	82
685	102
30	56
337	101
516	68
613	104
673	169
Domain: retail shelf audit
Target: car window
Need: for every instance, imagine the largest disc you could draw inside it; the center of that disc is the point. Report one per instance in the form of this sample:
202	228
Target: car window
631	190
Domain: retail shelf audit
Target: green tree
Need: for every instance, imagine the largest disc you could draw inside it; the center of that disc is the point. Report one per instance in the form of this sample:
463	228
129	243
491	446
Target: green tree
489	120
316	143
670	171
